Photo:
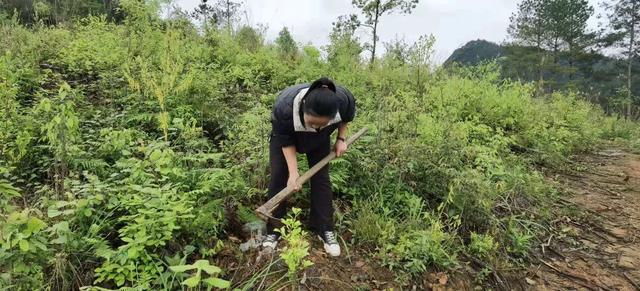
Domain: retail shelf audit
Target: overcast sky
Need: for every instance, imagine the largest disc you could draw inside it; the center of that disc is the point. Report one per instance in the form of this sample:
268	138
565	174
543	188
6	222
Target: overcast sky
452	22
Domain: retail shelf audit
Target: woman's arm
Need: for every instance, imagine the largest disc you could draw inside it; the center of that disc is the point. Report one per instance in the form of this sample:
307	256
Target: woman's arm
341	146
342	130
292	164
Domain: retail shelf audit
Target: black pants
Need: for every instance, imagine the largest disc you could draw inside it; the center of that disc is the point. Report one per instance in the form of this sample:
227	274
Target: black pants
316	146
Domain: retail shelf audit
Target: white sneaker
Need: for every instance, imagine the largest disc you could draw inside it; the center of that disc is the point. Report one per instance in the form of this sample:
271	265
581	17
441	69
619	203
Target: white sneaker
331	245
271	241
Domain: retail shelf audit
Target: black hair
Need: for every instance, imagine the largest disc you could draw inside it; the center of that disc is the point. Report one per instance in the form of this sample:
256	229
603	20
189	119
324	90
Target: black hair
321	99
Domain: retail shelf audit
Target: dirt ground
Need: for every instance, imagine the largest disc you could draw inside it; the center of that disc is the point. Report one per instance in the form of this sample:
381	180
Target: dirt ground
351	271
597	246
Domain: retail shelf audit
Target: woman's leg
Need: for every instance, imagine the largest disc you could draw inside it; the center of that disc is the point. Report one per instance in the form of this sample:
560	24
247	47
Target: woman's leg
321	216
278	181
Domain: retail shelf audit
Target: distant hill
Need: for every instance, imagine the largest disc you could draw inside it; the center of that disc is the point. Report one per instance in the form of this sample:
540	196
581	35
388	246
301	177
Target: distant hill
593	73
475	52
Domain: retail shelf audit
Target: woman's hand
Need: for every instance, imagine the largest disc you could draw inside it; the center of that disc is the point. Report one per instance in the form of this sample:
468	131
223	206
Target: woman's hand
340	147
291	183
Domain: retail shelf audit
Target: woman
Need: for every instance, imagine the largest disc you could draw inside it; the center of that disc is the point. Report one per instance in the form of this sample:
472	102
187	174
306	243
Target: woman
303	118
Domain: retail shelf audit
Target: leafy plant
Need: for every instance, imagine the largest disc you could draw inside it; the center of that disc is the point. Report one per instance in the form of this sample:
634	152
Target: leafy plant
417	249
297	249
520	239
7	193
61	132
482	245
23	248
196	279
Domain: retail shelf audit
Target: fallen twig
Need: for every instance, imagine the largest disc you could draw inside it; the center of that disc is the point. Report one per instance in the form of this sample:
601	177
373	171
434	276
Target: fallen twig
631	281
557	252
548	244
584	282
331	279
494	272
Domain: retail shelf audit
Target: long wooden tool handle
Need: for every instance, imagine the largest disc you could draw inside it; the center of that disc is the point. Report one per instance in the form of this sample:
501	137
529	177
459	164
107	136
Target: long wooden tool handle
264	211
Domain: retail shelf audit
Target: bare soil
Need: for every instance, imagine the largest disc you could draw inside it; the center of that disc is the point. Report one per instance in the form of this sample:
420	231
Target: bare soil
596	244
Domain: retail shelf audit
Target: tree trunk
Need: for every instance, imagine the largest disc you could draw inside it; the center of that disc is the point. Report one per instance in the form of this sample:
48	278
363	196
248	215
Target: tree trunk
375	33
55	11
571	56
541	65
420	91
541	53
229	17
630	57
541	74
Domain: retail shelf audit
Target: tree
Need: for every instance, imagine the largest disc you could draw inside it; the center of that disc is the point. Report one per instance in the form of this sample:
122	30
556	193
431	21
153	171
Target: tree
565	25
420	54
180	19
24	9
527	28
206	13
57	11
344	46
228	10
527	25
222	12
573	24
566	21
624	22
249	38
374	9
552	25
397	51
285	43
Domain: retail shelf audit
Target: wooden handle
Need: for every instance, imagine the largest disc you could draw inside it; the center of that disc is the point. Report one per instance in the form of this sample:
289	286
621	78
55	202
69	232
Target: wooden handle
265	211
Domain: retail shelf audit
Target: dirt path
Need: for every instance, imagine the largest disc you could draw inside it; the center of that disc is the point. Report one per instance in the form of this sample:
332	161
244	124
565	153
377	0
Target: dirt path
598	248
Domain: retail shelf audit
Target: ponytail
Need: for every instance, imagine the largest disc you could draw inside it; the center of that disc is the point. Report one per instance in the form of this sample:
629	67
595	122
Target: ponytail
321	99
323	82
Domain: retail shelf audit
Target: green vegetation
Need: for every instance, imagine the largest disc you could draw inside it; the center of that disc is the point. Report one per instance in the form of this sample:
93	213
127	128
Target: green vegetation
124	144
550	44
297	250
199	266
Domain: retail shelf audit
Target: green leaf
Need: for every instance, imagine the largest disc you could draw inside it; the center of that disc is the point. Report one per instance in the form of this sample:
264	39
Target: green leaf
39	245
62	226
82	203
62	204
189	249
60	240
119	280
205	266
217	283
212	270
182	268
53	212
8	189
192	282
35	224
24	245
132	253
155	155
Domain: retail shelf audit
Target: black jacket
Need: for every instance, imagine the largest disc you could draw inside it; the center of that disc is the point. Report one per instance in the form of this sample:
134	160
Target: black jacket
282	123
